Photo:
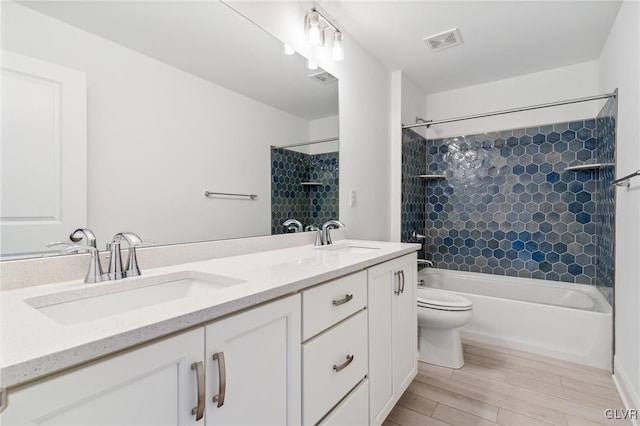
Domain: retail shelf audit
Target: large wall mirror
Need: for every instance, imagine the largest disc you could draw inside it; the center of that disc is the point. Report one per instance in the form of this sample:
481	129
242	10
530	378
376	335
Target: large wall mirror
120	116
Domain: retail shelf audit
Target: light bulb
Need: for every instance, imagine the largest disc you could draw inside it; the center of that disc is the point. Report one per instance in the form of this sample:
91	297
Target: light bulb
288	50
337	52
314	34
312	65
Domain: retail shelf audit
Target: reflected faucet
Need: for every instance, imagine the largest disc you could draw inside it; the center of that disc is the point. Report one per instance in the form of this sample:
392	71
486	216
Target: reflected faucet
328	226
86	233
292	225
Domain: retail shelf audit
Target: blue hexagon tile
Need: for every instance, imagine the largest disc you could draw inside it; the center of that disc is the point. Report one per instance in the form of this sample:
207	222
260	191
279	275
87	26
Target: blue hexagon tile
414	153
507	205
606	199
290	199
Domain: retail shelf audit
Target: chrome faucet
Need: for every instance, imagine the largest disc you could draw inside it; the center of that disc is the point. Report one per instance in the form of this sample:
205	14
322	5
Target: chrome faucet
327	227
318	232
115	270
292	225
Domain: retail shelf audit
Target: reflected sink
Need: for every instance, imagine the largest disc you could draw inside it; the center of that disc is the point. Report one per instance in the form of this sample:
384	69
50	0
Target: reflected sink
349	248
119	297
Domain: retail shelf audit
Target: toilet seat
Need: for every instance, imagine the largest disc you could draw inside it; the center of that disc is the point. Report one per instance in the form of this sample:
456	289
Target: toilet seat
442	300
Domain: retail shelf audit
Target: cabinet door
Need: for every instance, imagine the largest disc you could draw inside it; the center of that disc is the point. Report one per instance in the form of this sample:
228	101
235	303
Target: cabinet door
257	366
153	385
405	326
382	282
392	333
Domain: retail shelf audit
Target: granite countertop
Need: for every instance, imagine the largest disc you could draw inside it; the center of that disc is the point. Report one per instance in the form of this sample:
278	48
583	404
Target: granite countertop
33	345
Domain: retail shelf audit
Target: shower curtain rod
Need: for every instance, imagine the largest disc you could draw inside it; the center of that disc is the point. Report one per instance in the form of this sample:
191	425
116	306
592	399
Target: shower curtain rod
305	143
509	111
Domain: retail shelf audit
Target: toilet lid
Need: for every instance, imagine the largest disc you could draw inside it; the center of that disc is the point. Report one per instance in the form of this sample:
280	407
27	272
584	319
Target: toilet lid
438	299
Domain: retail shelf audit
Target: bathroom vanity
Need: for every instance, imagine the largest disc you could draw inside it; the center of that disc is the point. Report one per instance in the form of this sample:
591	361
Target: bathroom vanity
301	335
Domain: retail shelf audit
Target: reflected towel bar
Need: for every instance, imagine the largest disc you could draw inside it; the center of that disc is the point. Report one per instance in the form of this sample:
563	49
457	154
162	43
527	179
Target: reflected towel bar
621	181
209	194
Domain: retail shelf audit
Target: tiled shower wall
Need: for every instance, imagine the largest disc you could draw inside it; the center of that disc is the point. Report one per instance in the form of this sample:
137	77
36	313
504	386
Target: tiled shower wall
606	199
507	205
311	205
414	153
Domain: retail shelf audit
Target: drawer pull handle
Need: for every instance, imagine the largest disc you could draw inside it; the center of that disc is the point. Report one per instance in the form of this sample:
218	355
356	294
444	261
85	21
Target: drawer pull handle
346	299
402	275
349	360
222	375
198	411
397	292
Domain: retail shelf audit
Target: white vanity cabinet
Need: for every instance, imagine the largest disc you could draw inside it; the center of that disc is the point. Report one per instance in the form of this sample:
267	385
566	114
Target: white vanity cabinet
150	385
155	384
256	366
335	352
392	333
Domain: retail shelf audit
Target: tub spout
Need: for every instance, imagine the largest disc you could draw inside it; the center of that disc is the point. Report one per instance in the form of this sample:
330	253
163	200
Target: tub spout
425	262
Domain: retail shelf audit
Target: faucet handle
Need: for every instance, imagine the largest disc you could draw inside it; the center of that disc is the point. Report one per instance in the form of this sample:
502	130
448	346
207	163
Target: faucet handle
94	273
70	248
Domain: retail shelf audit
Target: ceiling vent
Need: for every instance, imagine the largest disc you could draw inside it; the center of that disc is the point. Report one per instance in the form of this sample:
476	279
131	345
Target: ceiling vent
323	77
444	40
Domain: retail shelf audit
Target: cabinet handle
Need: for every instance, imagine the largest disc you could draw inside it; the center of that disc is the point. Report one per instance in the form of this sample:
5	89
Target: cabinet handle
349	360
346	299
397	292
198	411
222	375
402	287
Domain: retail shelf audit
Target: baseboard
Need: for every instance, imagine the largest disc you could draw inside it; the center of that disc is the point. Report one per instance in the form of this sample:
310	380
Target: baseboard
628	395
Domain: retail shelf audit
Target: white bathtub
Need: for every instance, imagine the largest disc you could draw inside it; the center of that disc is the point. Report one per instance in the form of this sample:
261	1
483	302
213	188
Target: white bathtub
572	322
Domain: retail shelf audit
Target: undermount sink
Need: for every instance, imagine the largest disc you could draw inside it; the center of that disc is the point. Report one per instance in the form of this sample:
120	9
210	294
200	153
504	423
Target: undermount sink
119	297
349	248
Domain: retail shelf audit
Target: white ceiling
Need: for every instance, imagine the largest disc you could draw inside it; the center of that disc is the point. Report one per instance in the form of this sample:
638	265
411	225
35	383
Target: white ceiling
501	39
207	39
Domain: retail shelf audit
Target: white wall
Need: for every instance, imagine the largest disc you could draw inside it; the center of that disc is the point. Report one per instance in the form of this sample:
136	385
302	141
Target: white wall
324	128
364	115
413	104
159	137
620	68
557	84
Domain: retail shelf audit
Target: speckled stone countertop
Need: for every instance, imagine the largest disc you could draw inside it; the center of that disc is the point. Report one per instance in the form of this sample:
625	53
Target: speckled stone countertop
33	345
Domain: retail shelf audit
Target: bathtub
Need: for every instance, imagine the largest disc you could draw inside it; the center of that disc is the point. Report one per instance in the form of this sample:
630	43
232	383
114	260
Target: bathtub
572	322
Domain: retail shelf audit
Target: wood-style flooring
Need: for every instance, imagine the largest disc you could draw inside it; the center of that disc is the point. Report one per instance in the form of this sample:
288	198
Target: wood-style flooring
510	388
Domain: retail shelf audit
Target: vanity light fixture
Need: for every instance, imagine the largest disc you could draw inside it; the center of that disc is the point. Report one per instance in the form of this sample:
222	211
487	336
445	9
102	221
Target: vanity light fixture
315	25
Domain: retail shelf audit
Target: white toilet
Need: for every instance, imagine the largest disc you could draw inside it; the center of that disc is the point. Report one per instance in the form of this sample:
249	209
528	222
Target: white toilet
439	315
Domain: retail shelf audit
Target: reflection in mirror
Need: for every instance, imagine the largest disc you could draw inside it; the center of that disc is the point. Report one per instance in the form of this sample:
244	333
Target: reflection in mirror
304	184
118	116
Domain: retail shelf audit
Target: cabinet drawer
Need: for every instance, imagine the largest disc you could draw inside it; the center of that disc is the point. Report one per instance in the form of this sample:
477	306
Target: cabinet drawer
330	303
353	411
324	382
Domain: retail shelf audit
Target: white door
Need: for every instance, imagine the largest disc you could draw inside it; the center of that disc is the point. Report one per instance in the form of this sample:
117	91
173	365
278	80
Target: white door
257	366
43	181
153	385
